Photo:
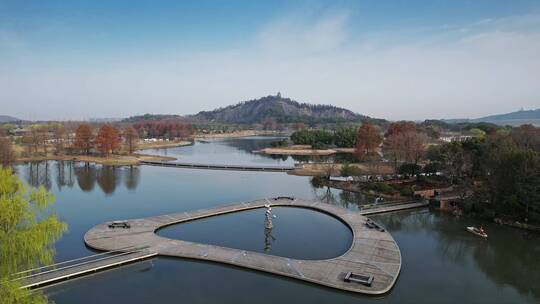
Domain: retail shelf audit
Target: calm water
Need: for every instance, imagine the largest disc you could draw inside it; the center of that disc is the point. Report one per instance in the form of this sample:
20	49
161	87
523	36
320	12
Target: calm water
240	151
442	263
297	233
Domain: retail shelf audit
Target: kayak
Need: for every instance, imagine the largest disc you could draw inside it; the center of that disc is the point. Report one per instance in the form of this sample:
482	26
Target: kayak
477	232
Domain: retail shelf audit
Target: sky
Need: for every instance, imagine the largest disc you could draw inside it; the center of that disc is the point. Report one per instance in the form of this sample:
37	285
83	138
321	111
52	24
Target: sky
410	59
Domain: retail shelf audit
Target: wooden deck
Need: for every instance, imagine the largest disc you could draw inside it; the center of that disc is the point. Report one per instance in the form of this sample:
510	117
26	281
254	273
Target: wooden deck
47	276
372	253
382	208
218	167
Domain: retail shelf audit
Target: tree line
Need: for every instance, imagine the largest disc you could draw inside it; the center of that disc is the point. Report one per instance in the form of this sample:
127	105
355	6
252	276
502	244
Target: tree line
85	138
496	175
402	141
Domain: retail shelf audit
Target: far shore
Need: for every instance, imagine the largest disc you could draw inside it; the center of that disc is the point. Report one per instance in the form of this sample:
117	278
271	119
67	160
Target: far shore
160	144
113	160
244	133
334	169
303	150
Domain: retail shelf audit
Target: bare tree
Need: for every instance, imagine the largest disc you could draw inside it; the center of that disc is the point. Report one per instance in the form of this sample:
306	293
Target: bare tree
7	155
130	138
59	139
405	146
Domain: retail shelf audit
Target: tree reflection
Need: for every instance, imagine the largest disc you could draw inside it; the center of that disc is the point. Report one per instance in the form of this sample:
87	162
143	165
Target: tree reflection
519	266
86	177
345	199
132	175
107	178
508	257
38	174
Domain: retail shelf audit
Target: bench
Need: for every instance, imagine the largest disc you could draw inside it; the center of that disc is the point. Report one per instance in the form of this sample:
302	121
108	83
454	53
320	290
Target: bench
358	278
119	224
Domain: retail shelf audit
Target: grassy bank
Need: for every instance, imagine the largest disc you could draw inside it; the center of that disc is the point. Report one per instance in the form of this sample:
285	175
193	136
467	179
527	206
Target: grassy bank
112	160
245	133
162	144
334	169
306	150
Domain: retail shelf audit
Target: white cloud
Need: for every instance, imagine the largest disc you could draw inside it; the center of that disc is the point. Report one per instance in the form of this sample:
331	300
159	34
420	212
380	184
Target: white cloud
488	69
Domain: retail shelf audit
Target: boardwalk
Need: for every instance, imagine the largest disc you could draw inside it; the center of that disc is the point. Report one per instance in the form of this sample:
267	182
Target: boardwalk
373	252
382	208
218	167
79	267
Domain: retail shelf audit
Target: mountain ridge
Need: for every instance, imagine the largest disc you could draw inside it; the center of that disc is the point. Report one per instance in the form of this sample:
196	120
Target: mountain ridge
521	114
7	118
282	110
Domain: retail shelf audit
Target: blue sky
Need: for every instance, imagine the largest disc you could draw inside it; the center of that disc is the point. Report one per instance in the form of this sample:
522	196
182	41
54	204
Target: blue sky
389	59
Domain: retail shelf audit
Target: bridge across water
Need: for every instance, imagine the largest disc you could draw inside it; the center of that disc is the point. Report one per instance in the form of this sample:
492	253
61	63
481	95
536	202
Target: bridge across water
55	273
373	253
218	167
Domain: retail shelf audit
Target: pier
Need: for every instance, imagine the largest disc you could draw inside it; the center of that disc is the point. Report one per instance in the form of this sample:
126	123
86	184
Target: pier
58	272
218	167
370	266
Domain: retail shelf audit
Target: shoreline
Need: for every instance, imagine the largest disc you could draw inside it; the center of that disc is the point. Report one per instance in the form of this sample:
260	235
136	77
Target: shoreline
113	160
245	133
303	150
322	169
163	145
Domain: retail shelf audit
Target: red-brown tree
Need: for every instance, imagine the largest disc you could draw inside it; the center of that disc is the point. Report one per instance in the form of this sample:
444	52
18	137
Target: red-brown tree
84	138
7	155
404	143
400	127
164	129
108	139
299	126
367	141
130	138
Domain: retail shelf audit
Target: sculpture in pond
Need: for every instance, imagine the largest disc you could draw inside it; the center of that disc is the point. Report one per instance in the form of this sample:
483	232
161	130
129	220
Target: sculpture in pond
268	225
268	217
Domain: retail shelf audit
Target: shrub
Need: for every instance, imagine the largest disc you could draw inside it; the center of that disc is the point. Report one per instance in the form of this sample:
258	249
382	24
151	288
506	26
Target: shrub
407	191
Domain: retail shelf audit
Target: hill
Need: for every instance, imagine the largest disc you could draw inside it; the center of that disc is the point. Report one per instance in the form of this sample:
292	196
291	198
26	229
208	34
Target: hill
521	114
148	117
281	110
514	118
6	118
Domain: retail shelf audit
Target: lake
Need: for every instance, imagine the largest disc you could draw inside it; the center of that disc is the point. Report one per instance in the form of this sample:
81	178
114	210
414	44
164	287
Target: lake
442	262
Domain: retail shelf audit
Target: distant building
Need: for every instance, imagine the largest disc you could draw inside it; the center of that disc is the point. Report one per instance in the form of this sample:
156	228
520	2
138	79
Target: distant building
19	131
454	137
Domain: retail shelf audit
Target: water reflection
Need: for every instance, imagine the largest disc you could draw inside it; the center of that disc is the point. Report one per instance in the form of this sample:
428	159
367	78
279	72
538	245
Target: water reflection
84	175
39	174
513	265
64	174
108	178
132	175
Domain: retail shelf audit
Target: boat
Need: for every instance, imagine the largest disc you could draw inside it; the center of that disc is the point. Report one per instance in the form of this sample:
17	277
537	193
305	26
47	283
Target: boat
477	232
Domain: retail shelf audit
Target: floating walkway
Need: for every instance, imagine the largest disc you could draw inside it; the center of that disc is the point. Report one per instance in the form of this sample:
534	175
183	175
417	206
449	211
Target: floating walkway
51	274
389	207
373	255
218	167
370	266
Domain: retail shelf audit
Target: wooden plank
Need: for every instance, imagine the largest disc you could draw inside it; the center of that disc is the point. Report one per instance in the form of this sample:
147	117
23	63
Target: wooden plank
376	254
218	167
373	252
64	273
